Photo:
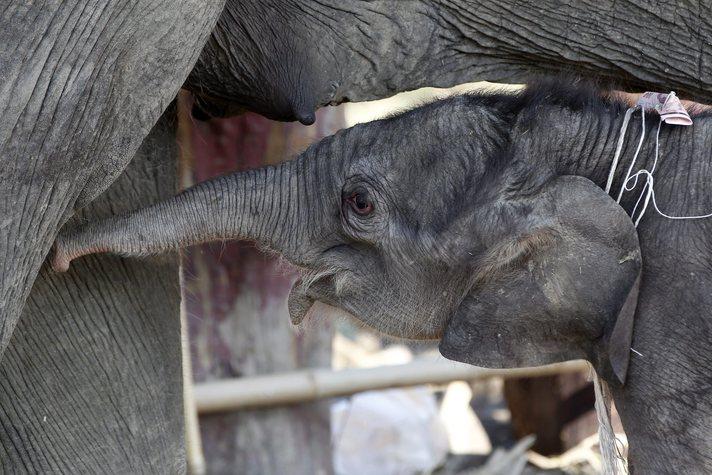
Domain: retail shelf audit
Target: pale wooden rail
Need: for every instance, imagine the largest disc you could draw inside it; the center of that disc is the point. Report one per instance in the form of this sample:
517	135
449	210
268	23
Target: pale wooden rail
309	385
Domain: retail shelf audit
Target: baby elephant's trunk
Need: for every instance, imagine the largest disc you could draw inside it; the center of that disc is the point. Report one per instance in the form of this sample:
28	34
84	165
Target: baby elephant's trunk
259	205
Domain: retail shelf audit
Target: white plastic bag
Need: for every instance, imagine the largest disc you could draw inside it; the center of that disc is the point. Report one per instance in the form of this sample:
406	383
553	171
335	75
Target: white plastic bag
391	432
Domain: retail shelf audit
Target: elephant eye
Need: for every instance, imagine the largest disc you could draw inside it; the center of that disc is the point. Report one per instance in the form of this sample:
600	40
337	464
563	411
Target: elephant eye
359	201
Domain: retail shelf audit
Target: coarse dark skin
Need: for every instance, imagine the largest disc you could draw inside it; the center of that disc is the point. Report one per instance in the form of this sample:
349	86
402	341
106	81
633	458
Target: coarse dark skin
480	220
83	85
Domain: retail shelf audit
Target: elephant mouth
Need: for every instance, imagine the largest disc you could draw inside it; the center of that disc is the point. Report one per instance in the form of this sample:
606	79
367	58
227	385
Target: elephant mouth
326	290
298	303
312	287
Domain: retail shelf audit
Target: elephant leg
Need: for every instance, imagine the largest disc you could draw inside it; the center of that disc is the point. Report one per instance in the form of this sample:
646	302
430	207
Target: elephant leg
91	380
82	83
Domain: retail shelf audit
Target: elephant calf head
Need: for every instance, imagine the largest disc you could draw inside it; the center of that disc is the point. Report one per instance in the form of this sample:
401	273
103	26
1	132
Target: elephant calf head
426	225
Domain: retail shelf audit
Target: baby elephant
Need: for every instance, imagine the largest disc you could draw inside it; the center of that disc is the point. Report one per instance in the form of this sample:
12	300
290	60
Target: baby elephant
480	220
461	220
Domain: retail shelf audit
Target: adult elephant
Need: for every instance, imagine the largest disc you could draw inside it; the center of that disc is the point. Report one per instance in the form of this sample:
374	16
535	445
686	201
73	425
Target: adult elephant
81	85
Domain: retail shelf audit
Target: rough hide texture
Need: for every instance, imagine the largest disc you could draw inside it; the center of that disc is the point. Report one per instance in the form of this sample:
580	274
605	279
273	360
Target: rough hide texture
285	58
81	84
91	380
416	225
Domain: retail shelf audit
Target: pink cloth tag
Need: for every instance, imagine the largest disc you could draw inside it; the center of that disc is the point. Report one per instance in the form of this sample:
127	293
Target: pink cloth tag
668	106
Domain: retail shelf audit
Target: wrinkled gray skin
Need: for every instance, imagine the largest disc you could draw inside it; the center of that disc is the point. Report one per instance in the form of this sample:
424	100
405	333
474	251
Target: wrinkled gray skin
480	220
81	86
91	363
83	83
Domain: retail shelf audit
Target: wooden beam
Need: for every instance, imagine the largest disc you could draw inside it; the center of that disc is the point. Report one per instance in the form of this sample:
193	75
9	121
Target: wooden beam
309	385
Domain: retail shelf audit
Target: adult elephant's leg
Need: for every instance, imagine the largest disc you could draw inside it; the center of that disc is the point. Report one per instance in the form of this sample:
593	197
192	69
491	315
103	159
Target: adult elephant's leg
91	381
82	82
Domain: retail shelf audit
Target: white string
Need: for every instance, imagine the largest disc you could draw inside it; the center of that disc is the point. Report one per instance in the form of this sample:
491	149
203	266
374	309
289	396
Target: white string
648	184
649	181
630	182
635	157
619	147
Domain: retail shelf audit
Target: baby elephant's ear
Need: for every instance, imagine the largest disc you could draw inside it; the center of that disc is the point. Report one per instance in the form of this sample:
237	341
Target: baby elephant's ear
563	285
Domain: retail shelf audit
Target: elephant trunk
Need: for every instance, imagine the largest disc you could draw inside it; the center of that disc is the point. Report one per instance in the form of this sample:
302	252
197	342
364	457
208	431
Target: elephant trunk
263	205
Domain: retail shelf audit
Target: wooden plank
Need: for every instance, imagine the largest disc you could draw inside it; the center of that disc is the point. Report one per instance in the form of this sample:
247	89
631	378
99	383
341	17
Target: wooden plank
310	385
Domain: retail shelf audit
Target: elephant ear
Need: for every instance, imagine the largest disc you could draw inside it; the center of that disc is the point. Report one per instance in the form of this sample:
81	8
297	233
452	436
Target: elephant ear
563	284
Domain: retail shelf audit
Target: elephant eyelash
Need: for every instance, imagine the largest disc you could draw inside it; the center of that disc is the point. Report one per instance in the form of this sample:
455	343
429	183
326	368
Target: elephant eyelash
513	252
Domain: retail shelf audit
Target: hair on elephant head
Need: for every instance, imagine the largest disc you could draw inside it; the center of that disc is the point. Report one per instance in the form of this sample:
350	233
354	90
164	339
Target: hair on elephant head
459	220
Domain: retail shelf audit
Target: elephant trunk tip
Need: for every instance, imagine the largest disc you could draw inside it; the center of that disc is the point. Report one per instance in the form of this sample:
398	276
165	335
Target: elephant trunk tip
63	253
60	258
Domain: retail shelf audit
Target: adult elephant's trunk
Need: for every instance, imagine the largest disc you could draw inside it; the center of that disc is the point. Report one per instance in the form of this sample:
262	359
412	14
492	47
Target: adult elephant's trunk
268	205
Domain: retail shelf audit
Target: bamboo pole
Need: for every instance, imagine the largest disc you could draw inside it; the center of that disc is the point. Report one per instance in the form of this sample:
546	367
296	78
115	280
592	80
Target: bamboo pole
195	460
194	446
309	385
